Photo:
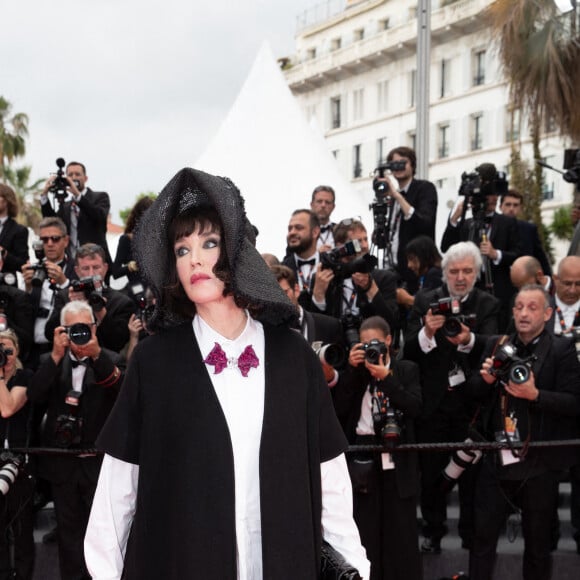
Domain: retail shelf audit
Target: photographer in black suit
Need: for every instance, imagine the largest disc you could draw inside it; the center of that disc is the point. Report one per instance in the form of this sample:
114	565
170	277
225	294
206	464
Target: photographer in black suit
496	234
447	346
79	382
85	213
538	400
13	236
385	486
368	291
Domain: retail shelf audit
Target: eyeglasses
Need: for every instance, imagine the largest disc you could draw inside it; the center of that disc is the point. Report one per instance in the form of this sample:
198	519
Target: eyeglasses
53	239
349	221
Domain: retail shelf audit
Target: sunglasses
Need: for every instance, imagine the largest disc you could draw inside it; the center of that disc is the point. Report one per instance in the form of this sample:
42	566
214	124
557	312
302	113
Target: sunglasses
53	239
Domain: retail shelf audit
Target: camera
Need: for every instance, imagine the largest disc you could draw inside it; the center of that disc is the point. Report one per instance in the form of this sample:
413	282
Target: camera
143	300
9	470
374	350
333	260
4	354
386	418
40	272
68	426
451	309
79	333
572	165
478	185
331	354
350	325
60	183
459	462
508	366
92	288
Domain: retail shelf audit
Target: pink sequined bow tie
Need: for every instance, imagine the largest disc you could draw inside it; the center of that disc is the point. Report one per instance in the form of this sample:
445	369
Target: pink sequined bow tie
218	358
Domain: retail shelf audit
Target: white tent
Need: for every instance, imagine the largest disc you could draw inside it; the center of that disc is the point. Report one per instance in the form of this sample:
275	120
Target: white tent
267	148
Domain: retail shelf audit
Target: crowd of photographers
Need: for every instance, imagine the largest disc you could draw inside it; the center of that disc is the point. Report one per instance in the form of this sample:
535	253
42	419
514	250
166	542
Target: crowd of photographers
473	339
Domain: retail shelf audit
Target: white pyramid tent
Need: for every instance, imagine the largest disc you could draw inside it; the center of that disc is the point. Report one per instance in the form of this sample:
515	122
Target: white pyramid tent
267	148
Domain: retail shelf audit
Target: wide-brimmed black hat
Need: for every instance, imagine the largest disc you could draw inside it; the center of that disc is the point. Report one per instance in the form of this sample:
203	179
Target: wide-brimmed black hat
251	278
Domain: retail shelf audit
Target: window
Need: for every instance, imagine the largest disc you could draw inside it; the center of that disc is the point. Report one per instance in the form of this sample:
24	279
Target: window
476	131
359	34
512	124
478	68
335	154
385	24
311	54
383	96
412	139
335	112
412	88
445	71
357	167
358	105
381	150
550	124
335	44
547	182
443	150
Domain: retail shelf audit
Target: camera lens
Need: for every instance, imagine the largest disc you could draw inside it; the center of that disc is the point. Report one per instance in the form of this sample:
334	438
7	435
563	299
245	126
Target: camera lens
519	373
451	327
79	333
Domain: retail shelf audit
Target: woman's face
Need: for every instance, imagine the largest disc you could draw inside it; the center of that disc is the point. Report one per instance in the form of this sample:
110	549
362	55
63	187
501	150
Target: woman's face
196	256
10	358
414	265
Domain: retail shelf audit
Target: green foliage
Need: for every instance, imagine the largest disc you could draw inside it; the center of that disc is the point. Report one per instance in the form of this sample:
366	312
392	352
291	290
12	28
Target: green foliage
28	194
124	213
562	227
13	131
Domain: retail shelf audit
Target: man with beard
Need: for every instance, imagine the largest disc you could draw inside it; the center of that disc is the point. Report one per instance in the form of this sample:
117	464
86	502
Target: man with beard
322	205
447	348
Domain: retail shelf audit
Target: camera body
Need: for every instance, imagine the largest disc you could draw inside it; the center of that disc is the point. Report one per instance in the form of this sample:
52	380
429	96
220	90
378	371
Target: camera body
374	350
350	325
40	271
4	354
332	259
476	189
60	183
92	288
143	301
387	420
508	366
68	426
451	309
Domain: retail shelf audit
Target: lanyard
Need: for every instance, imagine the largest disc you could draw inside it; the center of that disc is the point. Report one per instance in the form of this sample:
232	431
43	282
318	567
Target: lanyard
563	322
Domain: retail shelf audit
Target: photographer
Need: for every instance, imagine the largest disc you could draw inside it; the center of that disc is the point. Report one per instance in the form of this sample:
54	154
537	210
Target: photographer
495	234
13	236
52	272
447	346
415	207
351	286
530	390
85	213
322	204
79	381
385	486
16	479
112	308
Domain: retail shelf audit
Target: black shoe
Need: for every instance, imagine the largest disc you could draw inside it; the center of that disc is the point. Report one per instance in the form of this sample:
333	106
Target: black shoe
431	546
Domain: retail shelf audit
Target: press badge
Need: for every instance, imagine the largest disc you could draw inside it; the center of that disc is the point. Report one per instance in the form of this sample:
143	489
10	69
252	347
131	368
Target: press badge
387	461
511	431
456	377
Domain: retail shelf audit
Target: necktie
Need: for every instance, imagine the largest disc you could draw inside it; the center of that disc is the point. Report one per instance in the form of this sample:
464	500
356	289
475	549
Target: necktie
310	262
219	360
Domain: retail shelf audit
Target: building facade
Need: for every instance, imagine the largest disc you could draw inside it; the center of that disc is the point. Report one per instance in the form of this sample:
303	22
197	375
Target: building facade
355	75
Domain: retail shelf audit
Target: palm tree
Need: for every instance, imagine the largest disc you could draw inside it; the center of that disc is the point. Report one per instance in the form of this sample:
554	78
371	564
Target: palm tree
13	131
28	195
539	49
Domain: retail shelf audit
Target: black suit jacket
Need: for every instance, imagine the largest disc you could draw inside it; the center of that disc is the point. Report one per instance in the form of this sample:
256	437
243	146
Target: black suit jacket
403	388
531	244
436	364
49	386
94	209
16	305
503	236
14	239
556	416
422	195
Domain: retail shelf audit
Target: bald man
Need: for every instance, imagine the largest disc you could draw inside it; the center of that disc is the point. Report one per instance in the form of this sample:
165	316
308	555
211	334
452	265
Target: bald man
528	270
567	299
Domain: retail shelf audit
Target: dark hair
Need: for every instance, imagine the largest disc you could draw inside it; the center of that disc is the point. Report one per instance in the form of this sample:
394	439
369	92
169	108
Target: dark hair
284	273
90	250
53	222
79	164
320	188
342	229
197	219
424	249
136	212
376	323
406	152
8	194
512	193
314	221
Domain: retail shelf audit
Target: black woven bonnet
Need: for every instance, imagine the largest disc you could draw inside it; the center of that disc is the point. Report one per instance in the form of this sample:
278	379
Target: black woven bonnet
251	277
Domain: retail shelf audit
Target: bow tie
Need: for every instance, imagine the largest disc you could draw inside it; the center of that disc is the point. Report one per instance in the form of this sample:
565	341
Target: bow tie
75	363
324	229
218	358
310	262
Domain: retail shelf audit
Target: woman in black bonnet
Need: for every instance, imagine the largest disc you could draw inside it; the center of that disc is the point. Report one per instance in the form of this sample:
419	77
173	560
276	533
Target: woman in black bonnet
224	459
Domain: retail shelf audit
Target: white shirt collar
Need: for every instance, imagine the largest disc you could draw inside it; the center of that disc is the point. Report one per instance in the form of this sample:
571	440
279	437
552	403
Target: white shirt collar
567	307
